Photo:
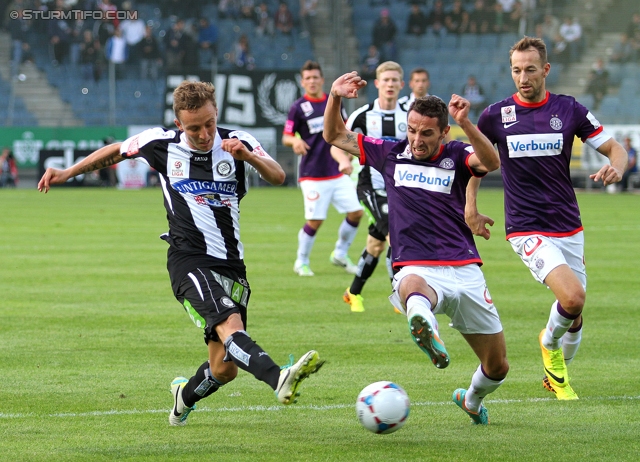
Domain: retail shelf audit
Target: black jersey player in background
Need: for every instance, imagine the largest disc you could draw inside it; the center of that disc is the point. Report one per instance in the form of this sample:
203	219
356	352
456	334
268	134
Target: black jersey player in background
203	172
384	118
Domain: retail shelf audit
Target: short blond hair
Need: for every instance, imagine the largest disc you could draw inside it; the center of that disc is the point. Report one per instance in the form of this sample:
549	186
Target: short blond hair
190	96
389	66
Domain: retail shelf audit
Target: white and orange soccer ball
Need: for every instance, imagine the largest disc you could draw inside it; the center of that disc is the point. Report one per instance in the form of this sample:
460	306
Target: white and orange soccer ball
383	407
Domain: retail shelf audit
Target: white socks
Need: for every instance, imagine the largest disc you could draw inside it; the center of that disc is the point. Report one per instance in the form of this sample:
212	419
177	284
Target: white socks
419	304
305	244
481	386
346	234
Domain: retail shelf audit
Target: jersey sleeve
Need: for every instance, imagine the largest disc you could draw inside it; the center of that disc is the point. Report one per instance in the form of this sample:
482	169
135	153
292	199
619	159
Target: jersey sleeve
589	129
251	143
290	126
142	144
484	125
373	151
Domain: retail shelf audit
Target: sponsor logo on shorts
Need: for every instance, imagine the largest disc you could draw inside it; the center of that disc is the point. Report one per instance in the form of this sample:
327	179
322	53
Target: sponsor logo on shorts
313	195
531	245
539	263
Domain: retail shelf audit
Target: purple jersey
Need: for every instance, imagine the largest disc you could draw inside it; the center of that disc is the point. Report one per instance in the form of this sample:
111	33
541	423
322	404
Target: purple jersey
306	117
426	202
534	142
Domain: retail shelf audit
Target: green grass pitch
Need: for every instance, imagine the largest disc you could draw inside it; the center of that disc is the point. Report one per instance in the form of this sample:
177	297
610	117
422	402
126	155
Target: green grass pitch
91	337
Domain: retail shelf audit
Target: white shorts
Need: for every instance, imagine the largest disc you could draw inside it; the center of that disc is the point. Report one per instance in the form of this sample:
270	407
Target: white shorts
462	295
318	195
541	254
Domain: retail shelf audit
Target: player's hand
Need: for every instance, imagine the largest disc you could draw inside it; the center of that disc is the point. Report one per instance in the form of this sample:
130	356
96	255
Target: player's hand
300	147
608	175
347	85
478	222
236	148
52	176
345	166
459	108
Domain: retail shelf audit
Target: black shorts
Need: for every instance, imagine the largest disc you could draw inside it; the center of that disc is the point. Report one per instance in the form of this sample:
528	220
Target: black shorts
210	296
377	211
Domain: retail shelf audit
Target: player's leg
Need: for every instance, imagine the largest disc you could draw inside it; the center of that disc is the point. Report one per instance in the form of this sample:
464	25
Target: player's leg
316	204
492	352
419	300
548	265
345	200
366	265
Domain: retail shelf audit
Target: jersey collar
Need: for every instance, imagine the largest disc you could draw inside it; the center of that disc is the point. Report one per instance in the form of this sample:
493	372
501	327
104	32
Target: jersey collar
525	104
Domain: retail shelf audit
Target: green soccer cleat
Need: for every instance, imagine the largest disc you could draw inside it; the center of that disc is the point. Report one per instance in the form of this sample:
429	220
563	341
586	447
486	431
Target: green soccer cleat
292	375
354	300
427	339
344	262
479	418
180	412
302	269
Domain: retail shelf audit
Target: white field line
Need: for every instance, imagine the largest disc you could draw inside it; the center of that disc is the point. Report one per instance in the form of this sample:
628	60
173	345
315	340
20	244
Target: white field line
240	409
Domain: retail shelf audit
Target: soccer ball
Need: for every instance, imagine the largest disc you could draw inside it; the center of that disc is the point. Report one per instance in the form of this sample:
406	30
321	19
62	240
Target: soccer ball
382	407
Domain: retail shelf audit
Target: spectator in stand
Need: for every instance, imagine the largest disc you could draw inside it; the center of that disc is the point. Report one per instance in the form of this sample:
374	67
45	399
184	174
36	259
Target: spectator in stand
59	35
474	93
109	6
91	60
247	8
559	51
18	29
436	19
133	31
632	166
480	18
370	63
515	16
633	29
598	82
457	20
550	28
500	22
117	52
416	21
283	19
102	30
623	51
207	43
150	58
8	169
384	36
240	55
571	32
308	13
263	20
229	9
175	42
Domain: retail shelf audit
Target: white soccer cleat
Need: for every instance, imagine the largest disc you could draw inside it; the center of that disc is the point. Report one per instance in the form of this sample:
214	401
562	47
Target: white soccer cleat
180	412
292	375
344	262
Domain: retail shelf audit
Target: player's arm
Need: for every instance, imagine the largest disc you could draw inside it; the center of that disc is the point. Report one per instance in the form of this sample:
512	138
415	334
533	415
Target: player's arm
300	146
343	159
485	158
476	221
618	158
265	165
103	157
335	131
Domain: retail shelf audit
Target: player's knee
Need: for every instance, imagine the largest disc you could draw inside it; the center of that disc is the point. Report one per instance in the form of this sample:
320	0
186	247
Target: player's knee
355	217
224	372
498	369
573	302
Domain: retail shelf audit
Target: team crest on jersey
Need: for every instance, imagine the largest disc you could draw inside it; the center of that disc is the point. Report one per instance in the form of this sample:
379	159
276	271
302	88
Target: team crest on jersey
177	169
447	163
224	168
402	127
307	108
508	113
555	123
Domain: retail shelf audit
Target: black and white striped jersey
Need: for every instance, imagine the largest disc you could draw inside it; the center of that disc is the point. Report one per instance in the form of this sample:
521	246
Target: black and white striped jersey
372	121
202	193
